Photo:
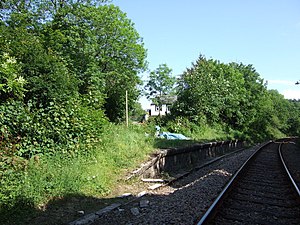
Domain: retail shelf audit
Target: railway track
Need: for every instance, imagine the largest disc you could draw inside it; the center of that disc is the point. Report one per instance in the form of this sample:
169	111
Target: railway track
260	193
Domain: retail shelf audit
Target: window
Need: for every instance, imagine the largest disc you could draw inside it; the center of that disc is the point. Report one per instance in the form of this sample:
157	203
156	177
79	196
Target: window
168	108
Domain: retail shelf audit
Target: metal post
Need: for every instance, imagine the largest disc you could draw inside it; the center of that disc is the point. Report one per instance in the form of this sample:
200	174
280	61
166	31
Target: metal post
126	108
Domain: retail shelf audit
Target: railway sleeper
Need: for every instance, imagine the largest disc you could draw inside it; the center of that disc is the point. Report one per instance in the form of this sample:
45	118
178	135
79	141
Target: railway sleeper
253	217
286	203
277	188
263	189
264	194
282	212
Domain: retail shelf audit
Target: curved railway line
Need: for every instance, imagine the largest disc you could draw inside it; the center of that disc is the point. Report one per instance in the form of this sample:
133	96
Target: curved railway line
261	192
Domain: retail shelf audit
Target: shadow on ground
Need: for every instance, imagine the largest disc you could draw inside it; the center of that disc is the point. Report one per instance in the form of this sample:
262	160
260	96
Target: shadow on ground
58	211
65	209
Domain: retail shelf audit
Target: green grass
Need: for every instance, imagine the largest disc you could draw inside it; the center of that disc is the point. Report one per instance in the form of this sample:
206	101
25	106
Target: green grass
206	133
93	173
118	150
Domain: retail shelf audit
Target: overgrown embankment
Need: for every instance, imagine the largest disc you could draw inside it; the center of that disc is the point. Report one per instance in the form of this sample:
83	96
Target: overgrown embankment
90	169
28	184
63	79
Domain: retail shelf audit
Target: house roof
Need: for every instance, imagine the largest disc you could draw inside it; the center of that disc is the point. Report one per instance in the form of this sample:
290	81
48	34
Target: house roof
167	99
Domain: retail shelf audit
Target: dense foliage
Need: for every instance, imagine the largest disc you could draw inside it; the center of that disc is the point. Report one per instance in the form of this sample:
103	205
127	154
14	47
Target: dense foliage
234	97
64	68
160	87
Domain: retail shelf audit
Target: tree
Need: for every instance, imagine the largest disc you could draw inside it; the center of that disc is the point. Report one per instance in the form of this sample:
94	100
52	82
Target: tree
210	92
231	95
11	83
255	89
69	47
45	71
294	118
73	61
160	85
44	10
102	45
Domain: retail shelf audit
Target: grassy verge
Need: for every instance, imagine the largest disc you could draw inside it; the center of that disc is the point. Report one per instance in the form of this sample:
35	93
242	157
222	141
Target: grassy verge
47	177
26	193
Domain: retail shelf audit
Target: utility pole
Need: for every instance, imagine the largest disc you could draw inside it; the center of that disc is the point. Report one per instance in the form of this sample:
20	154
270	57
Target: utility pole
126	108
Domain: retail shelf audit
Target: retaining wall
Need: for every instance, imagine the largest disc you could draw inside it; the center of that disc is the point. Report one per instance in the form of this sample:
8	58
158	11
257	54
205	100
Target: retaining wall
176	159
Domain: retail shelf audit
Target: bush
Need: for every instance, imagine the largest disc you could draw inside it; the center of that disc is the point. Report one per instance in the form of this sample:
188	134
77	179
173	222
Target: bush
196	131
44	130
42	178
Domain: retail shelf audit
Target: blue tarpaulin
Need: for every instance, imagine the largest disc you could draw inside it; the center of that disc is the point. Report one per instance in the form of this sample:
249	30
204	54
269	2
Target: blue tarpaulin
172	136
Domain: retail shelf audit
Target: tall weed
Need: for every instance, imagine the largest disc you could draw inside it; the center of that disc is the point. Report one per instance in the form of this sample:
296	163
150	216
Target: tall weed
58	127
42	178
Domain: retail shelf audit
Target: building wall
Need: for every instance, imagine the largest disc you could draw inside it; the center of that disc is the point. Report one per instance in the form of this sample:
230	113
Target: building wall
154	110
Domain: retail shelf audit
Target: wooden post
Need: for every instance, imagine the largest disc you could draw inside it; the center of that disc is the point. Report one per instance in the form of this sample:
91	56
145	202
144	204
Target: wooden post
126	108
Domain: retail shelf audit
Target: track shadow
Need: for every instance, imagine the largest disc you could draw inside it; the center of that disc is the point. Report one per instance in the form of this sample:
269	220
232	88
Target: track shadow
59	211
191	198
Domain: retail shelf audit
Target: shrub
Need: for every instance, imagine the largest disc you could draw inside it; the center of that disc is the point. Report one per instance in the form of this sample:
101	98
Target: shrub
44	130
46	177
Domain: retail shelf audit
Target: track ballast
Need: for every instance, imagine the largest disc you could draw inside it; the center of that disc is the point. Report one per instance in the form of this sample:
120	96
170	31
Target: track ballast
263	194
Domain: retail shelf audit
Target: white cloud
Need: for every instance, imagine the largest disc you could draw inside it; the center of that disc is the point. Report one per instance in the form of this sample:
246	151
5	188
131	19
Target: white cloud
291	94
281	82
285	87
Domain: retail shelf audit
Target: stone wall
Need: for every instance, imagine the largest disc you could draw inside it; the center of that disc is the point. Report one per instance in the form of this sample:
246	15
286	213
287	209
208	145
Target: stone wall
181	159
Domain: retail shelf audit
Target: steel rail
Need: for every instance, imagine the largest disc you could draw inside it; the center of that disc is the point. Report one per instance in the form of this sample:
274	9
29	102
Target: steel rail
208	163
287	170
212	209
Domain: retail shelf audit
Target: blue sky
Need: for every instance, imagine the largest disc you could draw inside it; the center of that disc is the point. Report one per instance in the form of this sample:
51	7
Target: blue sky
264	33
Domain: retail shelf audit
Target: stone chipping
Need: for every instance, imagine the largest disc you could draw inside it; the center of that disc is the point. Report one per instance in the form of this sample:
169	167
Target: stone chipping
186	200
183	202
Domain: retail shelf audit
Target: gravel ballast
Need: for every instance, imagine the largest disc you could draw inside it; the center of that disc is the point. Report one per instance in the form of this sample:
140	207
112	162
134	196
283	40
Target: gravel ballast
184	202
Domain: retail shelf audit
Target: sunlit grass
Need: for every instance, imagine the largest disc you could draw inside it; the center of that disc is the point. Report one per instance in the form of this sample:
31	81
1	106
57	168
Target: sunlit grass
118	150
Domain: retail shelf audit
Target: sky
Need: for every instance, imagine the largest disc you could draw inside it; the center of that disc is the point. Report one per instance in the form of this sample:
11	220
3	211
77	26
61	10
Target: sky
264	33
